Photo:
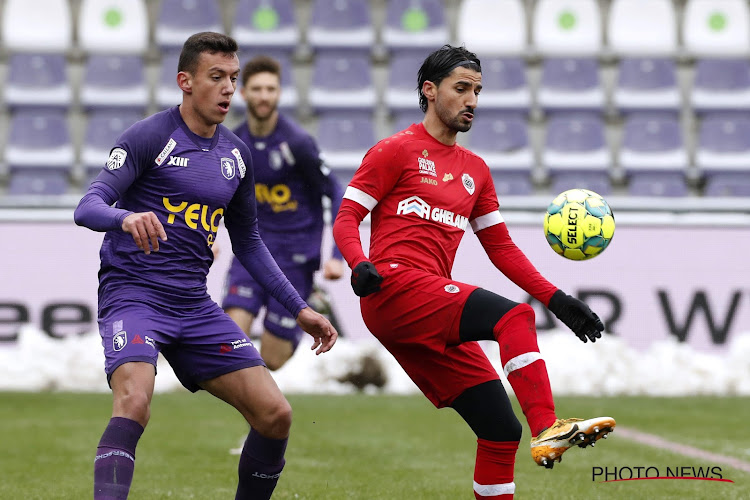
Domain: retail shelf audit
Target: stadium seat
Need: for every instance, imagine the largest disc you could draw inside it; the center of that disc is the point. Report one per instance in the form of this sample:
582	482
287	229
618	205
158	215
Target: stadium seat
504	85
289	94
651	184
38	182
266	24
723	144
342	81
567	28
416	24
167	93
492	28
39	138
341	24
576	143
37	80
38	26
113	26
178	19
647	84
512	183
642	28
721	85
716	28
597	182
114	81
570	84
102	130
400	94
502	140
727	184
405	118
344	140
652	142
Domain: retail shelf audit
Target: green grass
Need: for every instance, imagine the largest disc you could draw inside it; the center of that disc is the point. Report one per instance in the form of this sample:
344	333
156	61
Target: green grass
356	447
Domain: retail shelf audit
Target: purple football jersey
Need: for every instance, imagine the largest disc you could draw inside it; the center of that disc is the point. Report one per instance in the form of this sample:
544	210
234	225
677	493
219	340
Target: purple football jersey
290	181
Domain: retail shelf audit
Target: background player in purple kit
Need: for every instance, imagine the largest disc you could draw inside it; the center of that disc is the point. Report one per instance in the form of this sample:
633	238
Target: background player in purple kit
173	176
290	181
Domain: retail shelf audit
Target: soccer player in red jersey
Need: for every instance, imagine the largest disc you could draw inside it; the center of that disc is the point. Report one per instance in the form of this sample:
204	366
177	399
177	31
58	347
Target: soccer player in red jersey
424	191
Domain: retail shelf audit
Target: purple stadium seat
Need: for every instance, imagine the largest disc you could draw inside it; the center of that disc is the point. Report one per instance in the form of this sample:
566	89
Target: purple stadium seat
102	130
39	138
405	118
344	139
266	24
657	184
576	142
597	182
570	84
502	140
38	182
723	143
504	84
417	24
178	19
721	85
289	95
342	81
114	81
401	92
512	183
652	142
37	80
727	184
341	24
167	93
647	84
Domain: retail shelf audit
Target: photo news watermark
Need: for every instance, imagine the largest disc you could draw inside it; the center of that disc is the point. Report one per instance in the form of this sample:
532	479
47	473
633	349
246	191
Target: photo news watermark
636	473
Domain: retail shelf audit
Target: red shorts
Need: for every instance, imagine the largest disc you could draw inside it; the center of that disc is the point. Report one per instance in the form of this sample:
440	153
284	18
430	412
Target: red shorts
416	316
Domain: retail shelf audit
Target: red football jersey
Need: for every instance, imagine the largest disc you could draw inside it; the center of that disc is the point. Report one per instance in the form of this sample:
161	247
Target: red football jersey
423	195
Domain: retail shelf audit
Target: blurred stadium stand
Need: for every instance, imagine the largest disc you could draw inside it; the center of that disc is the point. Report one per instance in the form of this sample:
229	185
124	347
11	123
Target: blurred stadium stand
639	98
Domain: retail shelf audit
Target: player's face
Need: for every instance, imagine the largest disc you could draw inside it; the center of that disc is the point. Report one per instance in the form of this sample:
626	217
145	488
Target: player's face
261	93
213	85
456	98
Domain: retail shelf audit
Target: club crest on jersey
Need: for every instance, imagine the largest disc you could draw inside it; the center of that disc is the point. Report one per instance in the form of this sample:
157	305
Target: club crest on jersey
426	167
116	158
227	168
468	183
451	288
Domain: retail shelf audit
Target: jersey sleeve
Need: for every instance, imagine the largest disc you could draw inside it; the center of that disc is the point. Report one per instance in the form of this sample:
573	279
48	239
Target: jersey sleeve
486	210
375	177
132	154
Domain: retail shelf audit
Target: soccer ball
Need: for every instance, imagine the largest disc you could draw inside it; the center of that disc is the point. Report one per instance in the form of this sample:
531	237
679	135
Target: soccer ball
579	224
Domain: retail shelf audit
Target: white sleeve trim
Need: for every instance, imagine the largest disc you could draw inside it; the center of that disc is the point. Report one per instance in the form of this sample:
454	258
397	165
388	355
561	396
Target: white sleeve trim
491	490
487	220
360	197
520	361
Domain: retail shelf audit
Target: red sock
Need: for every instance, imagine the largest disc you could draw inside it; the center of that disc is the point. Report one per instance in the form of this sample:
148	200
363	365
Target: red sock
493	472
524	367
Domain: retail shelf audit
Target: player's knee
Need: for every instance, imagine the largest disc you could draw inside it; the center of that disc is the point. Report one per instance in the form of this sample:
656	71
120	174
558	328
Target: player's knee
134	405
523	316
276	420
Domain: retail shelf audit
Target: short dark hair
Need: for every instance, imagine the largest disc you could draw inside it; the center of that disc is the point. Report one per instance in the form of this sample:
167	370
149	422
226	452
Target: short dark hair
260	64
440	63
205	41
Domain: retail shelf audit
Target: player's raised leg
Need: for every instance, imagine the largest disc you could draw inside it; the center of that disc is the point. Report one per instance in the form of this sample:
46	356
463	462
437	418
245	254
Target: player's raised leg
132	389
253	392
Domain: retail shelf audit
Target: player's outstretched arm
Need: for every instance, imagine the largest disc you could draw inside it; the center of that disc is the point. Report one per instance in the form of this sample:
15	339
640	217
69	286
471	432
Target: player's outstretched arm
146	230
319	327
577	316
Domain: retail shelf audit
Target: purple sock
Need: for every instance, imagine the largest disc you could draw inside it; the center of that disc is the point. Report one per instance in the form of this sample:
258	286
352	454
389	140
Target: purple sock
115	459
260	466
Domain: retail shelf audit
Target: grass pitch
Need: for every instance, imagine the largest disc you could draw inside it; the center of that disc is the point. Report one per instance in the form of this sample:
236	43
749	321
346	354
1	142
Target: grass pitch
358	447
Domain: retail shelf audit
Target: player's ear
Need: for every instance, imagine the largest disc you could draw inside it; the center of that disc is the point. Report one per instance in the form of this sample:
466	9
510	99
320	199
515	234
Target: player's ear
185	81
429	90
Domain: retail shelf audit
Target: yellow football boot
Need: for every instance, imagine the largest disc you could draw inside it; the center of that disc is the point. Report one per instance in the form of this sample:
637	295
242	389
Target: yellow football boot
553	441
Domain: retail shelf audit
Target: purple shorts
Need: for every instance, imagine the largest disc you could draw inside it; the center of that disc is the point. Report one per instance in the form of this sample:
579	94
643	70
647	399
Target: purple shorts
200	342
243	292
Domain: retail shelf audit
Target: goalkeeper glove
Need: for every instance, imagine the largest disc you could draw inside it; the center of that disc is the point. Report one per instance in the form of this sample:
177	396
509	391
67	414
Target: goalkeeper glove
577	316
365	279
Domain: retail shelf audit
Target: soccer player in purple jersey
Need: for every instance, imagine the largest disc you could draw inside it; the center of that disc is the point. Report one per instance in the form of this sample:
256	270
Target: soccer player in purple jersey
171	178
290	181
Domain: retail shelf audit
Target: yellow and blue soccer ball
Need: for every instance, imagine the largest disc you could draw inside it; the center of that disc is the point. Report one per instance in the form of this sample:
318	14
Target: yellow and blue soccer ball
579	224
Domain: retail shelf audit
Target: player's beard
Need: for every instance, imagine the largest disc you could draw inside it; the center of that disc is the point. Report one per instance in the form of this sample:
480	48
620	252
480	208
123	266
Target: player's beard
265	116
453	122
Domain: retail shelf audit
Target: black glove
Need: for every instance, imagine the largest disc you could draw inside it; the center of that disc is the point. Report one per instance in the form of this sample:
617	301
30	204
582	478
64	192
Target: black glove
577	316
365	279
